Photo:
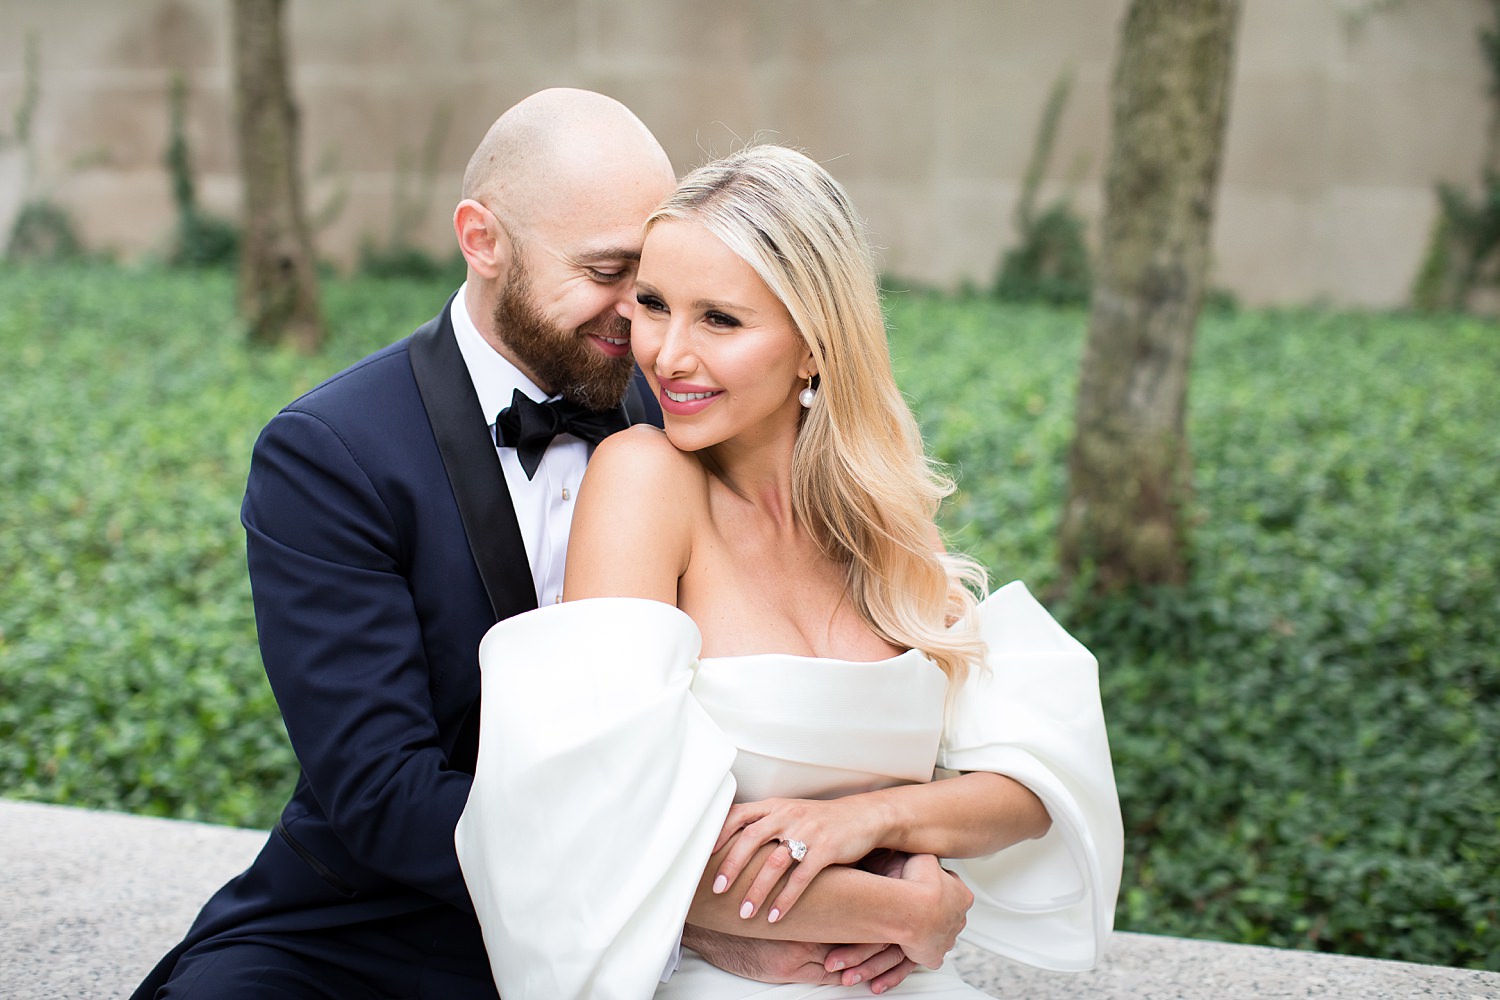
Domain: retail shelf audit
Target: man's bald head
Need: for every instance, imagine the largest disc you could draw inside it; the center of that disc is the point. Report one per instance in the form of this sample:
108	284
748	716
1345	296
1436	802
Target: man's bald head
551	224
545	150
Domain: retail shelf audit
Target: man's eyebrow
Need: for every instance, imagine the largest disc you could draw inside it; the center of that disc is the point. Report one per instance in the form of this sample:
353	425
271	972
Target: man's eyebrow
608	253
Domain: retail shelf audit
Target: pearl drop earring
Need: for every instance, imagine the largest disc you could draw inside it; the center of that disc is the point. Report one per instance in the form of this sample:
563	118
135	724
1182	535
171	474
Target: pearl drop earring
807	395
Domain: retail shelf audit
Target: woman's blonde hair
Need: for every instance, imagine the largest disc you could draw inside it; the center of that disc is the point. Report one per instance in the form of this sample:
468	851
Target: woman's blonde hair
861	481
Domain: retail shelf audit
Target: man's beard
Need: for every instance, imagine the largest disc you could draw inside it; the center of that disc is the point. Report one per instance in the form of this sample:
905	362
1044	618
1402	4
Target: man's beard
562	361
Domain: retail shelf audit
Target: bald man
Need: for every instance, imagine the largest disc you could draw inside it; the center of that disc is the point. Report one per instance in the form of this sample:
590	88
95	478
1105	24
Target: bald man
388	526
392	515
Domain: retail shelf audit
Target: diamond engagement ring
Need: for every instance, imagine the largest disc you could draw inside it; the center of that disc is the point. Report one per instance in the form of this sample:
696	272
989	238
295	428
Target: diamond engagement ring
798	849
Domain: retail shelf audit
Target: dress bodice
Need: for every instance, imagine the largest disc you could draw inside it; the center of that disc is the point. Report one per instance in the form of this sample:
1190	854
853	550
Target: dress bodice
815	727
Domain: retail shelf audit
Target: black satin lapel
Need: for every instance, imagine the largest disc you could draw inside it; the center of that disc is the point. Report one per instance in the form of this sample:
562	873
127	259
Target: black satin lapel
640	405
463	440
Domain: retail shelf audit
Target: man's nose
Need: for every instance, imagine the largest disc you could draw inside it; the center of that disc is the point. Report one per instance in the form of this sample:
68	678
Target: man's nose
625	293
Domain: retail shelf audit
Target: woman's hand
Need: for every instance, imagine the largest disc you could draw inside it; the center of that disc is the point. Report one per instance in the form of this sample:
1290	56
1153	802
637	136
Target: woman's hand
838	831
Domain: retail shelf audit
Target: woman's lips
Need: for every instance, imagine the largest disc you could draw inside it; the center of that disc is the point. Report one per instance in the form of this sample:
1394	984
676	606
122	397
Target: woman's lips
683	399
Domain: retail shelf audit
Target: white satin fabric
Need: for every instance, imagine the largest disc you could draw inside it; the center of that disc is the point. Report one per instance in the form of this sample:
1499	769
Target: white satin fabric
609	753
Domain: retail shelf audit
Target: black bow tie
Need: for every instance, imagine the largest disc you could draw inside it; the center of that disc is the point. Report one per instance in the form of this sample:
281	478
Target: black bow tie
529	426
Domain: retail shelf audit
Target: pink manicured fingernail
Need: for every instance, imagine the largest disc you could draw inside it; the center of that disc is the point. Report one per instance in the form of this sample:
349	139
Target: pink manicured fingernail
856	979
837	965
746	909
720	884
775	915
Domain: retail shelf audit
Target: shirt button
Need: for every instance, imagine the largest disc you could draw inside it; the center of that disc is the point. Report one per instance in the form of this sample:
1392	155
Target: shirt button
566	494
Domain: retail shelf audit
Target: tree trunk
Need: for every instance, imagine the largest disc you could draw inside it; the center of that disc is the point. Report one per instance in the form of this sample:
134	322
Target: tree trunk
278	275
1129	469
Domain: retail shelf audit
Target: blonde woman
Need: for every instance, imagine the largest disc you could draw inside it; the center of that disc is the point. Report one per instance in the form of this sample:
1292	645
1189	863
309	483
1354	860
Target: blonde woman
766	657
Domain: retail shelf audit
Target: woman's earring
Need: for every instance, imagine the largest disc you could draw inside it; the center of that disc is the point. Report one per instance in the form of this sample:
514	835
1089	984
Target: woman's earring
806	396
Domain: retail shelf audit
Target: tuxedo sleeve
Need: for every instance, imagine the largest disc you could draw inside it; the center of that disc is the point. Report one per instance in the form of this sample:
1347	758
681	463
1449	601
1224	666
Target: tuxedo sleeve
342	645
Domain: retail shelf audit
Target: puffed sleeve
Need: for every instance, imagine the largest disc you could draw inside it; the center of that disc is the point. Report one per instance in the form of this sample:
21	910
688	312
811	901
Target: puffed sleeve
600	789
1035	715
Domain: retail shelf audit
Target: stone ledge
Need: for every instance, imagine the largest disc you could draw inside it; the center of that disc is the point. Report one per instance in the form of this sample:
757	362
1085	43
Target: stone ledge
92	899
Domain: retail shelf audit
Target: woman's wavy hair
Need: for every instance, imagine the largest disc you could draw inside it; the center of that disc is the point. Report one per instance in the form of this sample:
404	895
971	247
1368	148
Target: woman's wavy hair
861	481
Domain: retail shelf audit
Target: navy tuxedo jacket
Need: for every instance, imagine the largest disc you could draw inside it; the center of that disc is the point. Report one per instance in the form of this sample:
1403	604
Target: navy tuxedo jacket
382	544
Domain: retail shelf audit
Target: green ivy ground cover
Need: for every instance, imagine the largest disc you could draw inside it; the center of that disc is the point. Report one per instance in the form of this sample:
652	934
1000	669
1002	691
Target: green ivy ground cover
1307	738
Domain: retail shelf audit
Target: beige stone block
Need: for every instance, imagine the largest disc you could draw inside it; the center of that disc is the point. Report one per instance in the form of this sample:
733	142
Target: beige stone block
897	228
1267	245
860	122
875	125
1029	35
1289	39
367	218
90	37
1410	129
1352	245
128	127
693	123
380	124
990	126
125	213
437	36
729	35
1374	243
1279	133
1431	37
972	224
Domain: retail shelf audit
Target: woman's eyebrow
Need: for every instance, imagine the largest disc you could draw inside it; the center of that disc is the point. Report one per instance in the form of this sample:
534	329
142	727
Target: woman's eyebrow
707	305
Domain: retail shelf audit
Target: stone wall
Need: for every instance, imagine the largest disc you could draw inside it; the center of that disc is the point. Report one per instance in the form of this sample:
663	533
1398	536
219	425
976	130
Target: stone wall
1344	114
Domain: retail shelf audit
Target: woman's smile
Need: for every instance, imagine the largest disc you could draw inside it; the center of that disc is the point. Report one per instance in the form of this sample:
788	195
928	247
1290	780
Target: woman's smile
683	398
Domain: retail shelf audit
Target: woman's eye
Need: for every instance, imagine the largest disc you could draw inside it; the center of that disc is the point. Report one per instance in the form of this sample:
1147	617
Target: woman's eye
720	319
650	302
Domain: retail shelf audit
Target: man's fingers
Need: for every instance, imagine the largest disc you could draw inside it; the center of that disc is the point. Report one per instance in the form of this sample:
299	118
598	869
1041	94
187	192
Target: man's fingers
847	956
894	976
883	961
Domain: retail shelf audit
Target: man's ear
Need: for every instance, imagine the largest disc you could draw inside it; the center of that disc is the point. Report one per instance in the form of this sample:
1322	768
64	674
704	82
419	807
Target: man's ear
481	239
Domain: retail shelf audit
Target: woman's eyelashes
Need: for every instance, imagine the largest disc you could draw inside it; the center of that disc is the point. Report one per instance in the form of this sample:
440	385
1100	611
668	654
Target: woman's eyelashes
715	318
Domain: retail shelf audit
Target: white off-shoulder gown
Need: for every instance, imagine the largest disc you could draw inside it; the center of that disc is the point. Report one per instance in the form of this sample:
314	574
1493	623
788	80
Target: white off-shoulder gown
610	752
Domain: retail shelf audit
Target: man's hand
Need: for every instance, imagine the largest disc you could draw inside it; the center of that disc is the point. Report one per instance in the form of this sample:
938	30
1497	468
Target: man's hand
942	916
882	966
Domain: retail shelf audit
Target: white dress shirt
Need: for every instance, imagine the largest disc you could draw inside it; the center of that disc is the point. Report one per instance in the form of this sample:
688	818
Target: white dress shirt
544	503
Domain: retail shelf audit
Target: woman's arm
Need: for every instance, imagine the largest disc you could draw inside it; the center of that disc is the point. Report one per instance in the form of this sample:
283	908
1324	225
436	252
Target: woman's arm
921	909
961	817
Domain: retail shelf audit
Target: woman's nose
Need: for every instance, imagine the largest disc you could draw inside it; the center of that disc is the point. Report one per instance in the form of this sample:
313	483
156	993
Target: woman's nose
674	356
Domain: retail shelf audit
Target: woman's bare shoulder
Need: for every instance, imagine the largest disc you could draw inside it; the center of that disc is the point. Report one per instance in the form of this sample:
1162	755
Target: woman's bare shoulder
640	459
639	507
